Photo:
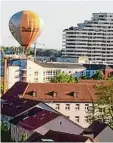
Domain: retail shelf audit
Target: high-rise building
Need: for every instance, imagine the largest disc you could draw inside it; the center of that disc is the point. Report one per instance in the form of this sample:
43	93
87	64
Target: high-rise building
93	38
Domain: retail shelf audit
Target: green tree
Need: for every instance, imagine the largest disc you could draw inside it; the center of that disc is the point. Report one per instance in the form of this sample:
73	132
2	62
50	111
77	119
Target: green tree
102	109
99	75
24	137
1	87
110	77
63	78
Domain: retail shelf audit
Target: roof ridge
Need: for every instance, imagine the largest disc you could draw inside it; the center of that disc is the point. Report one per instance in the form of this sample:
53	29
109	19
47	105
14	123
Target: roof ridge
25	89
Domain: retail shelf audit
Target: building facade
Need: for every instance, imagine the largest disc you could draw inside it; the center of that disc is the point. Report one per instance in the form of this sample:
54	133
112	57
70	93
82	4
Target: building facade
41	72
93	38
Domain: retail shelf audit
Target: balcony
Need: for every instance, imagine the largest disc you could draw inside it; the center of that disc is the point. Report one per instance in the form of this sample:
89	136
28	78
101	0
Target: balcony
23	79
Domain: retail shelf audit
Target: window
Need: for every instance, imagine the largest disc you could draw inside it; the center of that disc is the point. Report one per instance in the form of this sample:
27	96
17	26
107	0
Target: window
67	107
36	73
77	106
86	107
77	119
86	118
57	106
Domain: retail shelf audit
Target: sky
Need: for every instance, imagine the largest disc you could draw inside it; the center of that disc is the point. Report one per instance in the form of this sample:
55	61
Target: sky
57	15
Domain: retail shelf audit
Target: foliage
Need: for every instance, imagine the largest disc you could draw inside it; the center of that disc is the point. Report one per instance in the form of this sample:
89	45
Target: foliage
103	108
110	77
24	137
5	133
85	77
99	75
17	50
1	87
63	78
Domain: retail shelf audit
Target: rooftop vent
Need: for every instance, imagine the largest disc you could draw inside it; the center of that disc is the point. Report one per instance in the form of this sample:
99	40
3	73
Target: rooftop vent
42	118
25	101
26	118
34	115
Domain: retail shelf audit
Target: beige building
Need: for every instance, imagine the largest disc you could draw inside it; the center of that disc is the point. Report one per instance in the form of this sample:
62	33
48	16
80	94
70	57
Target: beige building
70	99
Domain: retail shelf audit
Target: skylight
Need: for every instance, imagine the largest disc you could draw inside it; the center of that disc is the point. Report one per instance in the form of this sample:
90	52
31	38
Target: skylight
47	140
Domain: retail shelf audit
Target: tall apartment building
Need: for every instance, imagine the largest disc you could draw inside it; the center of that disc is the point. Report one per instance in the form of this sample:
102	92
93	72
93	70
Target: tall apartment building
93	38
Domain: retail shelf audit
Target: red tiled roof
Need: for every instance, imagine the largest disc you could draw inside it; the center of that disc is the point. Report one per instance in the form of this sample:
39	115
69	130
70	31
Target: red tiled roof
83	91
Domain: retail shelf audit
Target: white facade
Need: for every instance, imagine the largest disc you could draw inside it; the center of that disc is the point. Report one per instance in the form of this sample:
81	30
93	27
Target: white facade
77	112
93	38
34	72
13	75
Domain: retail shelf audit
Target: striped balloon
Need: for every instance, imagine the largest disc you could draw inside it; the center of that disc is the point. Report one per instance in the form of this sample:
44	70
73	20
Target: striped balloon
25	26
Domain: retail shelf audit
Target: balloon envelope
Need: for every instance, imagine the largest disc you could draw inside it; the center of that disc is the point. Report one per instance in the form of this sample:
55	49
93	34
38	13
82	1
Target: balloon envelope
25	26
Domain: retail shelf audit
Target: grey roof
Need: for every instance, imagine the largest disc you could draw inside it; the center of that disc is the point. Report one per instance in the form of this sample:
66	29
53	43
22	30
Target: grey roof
60	65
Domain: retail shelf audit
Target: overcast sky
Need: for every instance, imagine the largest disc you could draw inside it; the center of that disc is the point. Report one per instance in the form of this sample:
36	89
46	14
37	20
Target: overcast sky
57	15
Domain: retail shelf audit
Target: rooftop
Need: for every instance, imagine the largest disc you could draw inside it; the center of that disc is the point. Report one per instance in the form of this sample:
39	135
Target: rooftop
51	92
34	118
55	136
59	65
96	127
15	106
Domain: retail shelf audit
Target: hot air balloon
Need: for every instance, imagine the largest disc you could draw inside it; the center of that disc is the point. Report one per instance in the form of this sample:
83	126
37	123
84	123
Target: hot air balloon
25	26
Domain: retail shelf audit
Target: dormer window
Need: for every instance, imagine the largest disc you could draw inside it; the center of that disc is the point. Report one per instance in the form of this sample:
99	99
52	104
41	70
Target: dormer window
34	94
74	94
54	94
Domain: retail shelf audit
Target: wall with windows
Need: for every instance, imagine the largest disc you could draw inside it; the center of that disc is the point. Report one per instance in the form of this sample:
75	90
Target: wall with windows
88	73
34	72
77	112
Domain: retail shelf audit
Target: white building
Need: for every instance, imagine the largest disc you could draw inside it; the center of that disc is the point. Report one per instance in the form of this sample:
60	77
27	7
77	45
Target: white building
29	71
93	38
13	75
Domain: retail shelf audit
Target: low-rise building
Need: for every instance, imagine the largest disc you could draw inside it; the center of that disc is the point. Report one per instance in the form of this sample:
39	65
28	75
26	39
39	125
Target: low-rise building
99	132
70	99
41	121
41	72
